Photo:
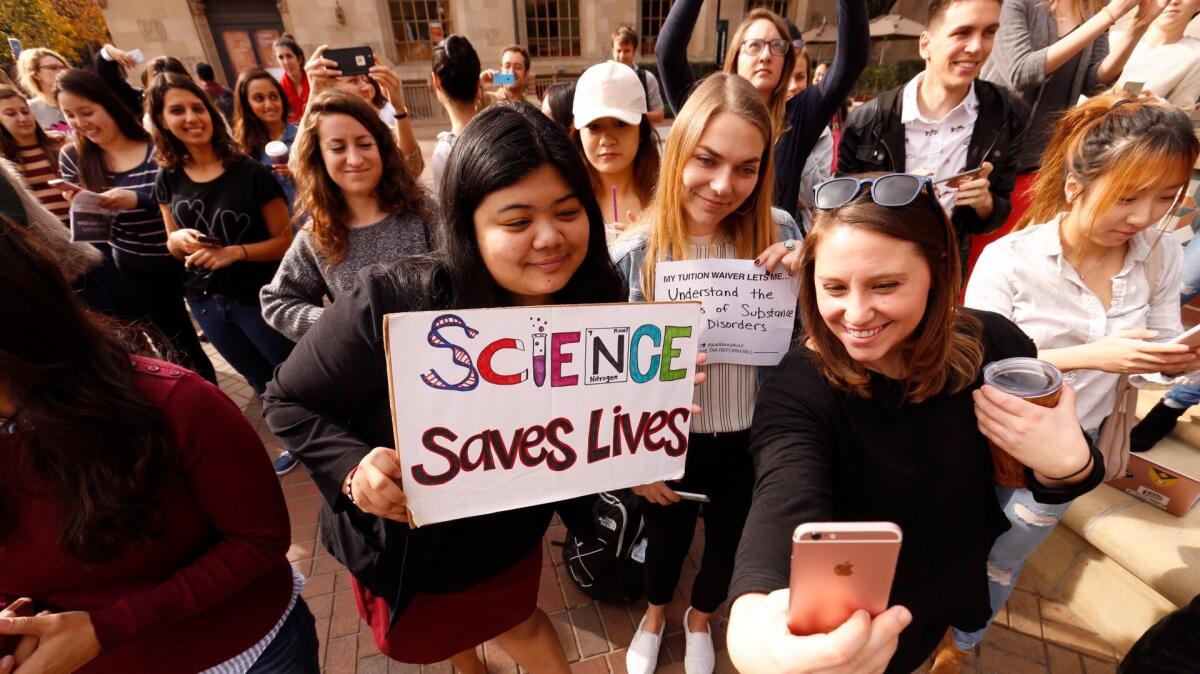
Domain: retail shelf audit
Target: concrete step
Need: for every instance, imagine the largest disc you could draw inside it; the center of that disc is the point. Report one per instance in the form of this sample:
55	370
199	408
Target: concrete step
1122	564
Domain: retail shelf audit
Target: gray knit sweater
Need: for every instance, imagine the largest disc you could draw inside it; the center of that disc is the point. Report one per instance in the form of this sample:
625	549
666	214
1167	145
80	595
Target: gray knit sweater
1018	62
294	300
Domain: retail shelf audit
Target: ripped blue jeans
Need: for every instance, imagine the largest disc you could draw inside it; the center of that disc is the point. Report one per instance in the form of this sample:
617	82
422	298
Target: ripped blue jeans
1031	523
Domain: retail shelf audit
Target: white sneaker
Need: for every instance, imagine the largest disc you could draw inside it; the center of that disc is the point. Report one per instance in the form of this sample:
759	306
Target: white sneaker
699	656
642	656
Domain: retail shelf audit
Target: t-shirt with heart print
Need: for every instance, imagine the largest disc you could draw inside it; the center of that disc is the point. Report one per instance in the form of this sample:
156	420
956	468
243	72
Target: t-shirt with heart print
228	207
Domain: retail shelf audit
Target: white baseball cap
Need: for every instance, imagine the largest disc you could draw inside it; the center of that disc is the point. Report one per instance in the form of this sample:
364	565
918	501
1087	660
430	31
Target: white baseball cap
610	89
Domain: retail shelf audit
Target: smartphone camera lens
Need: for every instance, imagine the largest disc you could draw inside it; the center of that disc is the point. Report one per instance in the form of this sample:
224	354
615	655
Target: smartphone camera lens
816	537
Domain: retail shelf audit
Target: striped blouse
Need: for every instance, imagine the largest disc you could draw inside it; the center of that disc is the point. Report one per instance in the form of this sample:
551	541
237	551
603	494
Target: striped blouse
728	394
35	166
138	234
242	662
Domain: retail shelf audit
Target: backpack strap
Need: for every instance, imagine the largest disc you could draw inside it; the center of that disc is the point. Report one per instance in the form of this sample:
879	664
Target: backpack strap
641	73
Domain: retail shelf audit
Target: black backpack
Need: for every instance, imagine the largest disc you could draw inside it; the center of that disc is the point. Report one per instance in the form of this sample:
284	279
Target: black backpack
604	556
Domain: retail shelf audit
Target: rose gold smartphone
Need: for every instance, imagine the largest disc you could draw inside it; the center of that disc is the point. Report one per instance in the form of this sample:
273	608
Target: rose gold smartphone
838	568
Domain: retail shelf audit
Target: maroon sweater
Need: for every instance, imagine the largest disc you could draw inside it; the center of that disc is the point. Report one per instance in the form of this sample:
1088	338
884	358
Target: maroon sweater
216	580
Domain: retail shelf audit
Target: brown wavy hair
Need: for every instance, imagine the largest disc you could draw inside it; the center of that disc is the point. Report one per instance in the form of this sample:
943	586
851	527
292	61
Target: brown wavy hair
1115	146
778	99
320	199
944	352
169	151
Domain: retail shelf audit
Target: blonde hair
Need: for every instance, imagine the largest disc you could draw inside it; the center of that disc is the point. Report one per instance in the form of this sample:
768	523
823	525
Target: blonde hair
751	227
778	98
27	67
1112	146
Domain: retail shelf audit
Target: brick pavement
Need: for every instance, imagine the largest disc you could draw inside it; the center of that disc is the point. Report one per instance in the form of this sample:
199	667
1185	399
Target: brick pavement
1033	635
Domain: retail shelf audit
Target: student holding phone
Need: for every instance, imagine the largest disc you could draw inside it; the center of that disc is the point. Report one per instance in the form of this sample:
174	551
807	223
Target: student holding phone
113	156
712	201
209	187
878	414
1091	280
519	226
324	73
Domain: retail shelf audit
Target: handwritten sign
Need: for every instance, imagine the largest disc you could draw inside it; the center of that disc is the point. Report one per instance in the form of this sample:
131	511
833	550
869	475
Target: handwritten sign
746	315
496	409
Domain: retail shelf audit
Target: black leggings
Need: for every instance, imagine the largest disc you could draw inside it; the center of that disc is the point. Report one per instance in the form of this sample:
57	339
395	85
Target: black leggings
718	466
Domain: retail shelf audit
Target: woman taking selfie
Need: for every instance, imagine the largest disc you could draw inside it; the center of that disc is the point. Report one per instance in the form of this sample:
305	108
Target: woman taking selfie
226	219
885	342
138	508
712	202
113	156
518	195
1091	280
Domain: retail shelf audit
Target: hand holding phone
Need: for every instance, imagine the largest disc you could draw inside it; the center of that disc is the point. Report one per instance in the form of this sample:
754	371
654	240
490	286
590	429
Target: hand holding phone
352	60
839	568
504	79
209	240
64	185
956	181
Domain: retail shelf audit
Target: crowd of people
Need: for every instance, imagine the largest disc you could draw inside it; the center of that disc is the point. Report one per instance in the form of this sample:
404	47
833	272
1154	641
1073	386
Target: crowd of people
1014	199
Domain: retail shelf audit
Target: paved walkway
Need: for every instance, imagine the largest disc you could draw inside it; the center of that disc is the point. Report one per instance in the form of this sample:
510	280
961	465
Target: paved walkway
1033	634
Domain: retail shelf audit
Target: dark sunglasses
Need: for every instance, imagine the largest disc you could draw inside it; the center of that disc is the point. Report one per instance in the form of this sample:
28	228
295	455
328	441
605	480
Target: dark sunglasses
894	190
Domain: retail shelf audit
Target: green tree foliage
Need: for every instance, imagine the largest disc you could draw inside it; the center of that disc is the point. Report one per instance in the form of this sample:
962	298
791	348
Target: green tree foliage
66	26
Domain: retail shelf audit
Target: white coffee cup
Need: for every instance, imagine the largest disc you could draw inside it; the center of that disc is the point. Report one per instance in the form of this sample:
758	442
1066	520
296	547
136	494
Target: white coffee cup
277	151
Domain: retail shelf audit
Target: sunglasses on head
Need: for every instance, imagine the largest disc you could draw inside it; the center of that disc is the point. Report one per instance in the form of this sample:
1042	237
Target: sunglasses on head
894	190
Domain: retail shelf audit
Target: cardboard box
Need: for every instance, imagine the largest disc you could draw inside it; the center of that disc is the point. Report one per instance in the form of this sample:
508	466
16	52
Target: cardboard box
1162	486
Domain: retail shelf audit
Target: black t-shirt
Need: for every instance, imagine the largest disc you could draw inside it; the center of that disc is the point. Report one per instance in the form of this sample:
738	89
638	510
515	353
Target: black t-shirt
822	455
228	207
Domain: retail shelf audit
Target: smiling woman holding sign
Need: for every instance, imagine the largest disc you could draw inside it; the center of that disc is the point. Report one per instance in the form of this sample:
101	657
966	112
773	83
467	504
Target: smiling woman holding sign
520	226
710	203
880	415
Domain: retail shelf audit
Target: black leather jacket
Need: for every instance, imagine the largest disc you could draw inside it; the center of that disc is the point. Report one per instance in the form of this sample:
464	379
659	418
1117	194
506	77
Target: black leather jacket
873	140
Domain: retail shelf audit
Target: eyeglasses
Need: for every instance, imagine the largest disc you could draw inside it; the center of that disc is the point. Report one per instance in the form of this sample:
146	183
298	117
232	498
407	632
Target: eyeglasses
754	47
797	45
894	190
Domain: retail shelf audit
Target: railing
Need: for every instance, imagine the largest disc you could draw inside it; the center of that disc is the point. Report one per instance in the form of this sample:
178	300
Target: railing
421	101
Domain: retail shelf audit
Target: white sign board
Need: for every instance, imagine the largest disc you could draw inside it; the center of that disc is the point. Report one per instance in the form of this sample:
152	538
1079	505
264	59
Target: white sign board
746	315
496	409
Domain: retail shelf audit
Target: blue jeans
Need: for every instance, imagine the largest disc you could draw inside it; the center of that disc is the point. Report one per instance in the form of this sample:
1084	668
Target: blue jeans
239	333
1183	397
294	648
1031	523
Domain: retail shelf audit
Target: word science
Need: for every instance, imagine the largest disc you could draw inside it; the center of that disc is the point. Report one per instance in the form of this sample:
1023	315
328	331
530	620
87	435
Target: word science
495	409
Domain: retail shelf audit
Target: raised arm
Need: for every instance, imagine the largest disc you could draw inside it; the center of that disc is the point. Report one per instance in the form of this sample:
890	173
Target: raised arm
674	70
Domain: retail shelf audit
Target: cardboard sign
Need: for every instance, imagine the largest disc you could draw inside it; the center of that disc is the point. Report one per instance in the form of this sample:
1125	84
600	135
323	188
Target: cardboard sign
496	409
746	315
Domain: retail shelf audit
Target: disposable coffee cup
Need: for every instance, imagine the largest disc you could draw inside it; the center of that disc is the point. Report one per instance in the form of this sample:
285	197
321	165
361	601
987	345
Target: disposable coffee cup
277	151
1031	379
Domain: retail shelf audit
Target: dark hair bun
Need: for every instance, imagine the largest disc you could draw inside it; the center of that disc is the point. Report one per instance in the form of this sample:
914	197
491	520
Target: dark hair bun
457	66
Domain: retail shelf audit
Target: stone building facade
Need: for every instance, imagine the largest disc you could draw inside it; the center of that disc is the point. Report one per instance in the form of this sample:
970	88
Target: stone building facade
564	36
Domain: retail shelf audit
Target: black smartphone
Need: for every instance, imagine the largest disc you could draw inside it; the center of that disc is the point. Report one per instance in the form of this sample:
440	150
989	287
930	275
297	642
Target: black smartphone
352	60
209	240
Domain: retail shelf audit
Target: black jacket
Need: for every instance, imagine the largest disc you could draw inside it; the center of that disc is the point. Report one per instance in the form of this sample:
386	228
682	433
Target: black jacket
873	140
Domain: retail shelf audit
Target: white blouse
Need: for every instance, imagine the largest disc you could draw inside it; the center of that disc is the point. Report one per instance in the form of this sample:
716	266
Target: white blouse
1025	277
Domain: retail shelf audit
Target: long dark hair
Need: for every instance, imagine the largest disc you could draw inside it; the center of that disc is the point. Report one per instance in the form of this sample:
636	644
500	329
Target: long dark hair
169	151
90	160
8	144
104	449
500	147
320	199
560	97
457	67
248	129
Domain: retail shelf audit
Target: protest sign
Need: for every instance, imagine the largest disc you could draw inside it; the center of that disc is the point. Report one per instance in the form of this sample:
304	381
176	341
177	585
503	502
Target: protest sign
746	315
495	409
90	222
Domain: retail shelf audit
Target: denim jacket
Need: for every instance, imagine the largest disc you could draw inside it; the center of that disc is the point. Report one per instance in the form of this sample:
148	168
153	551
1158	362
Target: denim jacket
630	254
